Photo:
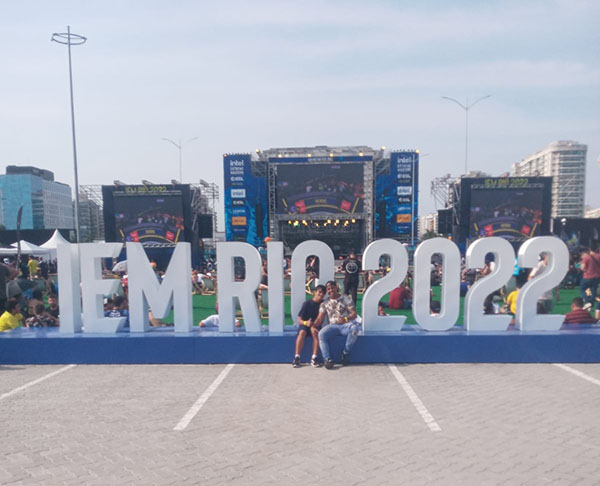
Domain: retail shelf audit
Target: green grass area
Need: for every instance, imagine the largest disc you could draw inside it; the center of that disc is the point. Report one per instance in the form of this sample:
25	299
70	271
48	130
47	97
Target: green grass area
204	305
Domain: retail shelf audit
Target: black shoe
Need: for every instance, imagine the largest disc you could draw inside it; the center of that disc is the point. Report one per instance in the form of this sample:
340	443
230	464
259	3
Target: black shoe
329	364
314	363
296	362
345	358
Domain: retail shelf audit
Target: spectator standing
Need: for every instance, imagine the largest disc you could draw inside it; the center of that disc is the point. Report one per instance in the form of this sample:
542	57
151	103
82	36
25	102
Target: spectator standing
44	269
32	266
545	303
590	264
351	270
6	273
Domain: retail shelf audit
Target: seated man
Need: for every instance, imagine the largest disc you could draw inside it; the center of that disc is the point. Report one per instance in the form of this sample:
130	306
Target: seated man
578	315
343	321
12	317
400	297
307	317
53	308
37	299
120	308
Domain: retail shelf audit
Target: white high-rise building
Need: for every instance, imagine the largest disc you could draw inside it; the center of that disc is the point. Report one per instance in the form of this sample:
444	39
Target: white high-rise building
428	222
565	162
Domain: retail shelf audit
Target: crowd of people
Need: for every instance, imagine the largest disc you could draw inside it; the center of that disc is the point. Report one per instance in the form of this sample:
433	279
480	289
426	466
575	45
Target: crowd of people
28	297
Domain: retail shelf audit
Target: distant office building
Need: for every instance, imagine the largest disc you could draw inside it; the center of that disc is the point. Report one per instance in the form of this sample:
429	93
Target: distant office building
565	162
46	203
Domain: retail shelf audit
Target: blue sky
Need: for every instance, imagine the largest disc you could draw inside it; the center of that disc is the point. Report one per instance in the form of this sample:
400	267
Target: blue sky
262	74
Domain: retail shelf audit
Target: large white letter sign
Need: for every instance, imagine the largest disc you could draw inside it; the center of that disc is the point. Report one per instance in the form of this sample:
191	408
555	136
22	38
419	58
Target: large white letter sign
275	271
244	291
527	318
450	284
93	288
326	272
68	283
399	266
145	289
504	256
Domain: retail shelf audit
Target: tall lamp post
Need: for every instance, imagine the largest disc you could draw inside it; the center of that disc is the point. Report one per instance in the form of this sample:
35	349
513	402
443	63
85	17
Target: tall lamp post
69	39
179	144
466	107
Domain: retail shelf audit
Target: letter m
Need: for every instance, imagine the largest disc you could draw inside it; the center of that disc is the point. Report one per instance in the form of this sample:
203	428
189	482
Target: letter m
146	292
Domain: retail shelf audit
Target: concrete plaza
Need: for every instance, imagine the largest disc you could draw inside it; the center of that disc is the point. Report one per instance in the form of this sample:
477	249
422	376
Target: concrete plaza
445	424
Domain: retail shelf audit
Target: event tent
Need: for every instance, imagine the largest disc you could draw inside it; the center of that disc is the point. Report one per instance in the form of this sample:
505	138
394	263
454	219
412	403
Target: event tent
30	249
55	240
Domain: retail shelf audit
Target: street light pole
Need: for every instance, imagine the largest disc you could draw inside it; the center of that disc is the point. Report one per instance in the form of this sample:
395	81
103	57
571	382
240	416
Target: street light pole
466	107
179	144
69	39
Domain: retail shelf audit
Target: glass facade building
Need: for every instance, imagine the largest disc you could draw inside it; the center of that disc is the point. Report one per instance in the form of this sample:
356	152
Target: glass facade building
46	204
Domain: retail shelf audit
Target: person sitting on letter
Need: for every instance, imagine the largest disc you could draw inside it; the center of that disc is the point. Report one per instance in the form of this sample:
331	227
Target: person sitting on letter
343	321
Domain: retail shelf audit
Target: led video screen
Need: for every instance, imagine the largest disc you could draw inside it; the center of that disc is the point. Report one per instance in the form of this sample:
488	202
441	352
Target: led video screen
149	218
511	213
320	188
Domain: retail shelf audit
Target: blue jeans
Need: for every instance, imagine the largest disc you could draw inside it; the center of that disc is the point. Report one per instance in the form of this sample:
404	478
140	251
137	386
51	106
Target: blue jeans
350	330
589	283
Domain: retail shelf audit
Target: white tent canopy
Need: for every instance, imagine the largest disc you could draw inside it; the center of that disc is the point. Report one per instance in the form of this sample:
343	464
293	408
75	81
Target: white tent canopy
55	240
31	249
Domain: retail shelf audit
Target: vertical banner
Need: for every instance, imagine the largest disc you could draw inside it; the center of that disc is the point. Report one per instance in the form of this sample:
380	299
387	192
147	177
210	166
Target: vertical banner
246	206
397	198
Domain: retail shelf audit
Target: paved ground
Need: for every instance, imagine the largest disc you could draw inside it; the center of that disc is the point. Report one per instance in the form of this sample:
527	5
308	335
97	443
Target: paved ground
270	424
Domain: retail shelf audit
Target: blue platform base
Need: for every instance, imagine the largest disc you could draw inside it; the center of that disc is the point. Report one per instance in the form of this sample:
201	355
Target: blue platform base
579	344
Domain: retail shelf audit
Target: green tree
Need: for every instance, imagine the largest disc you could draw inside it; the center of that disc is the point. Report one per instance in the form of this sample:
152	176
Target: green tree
428	235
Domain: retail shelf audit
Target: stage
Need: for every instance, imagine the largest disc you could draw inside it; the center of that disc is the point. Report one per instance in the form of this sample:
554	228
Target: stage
573	344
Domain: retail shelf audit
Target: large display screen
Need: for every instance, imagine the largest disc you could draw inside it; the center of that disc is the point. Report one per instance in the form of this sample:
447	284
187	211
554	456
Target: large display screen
514	213
153	217
320	188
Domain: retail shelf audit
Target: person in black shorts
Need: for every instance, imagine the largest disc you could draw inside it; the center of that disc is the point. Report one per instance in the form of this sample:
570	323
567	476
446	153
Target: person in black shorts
306	321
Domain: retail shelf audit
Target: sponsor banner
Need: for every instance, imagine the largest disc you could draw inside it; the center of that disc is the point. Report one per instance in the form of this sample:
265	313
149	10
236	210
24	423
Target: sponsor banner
396	197
246	207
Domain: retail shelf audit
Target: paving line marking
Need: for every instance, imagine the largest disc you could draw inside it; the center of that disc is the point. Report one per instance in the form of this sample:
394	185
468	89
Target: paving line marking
416	401
187	418
35	382
577	373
